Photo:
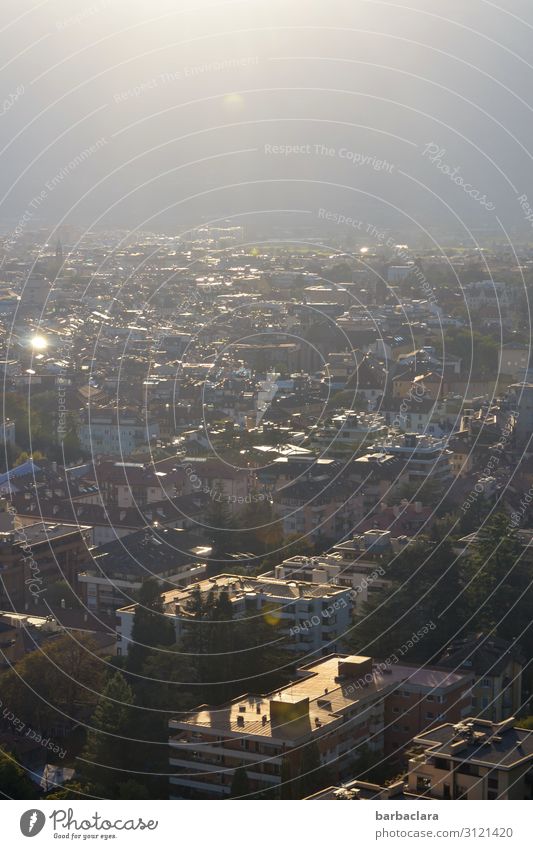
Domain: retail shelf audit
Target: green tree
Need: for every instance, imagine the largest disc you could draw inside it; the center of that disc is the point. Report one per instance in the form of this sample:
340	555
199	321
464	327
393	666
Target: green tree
60	593
24	456
220	527
70	790
293	544
197	638
425	580
474	516
70	441
131	789
151	628
260	531
314	776
240	785
107	757
14	781
478	352
59	684
232	655
222	641
499	589
167	687
211	637
288	787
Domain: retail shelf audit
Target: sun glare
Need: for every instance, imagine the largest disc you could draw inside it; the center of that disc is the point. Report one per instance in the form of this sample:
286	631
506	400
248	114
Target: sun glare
39	343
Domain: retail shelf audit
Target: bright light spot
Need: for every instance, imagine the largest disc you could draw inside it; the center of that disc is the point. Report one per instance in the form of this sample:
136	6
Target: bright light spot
271	614
363	251
234	101
39	343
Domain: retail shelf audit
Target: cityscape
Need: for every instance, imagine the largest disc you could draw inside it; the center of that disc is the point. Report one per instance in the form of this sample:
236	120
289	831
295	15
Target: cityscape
266	466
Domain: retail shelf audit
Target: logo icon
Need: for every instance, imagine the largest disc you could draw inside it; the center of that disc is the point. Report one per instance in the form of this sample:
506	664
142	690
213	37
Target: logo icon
32	822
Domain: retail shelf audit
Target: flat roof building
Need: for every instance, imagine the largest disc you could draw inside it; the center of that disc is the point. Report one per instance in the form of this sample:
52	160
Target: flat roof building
338	704
310	617
474	759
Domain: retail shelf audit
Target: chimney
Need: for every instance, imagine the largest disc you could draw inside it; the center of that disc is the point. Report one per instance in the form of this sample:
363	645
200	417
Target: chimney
286	709
355	666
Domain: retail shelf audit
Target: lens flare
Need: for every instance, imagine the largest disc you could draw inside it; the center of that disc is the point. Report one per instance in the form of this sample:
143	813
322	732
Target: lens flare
39	343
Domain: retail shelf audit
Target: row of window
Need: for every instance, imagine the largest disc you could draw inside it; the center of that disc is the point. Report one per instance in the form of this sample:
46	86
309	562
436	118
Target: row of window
407	694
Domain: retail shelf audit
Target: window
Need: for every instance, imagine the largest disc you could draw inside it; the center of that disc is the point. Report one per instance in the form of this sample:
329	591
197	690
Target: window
466	768
485	682
430	715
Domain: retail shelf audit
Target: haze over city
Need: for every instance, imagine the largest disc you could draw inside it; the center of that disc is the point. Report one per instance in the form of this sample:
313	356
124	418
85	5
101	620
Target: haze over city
266	475
184	101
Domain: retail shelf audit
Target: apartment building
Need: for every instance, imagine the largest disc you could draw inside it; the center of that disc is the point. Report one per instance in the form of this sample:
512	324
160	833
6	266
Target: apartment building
357	563
107	432
322	706
317	507
222	481
514	360
424	697
373	476
11	643
474	759
338	704
496	667
489	294
128	485
309	617
424	457
116	570
355	791
34	556
348	432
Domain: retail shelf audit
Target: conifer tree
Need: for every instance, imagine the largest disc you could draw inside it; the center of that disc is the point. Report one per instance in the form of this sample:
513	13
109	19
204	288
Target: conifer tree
151	628
107	757
240	785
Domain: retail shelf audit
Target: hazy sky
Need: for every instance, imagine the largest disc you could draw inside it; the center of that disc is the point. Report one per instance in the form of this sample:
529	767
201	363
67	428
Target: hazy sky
157	114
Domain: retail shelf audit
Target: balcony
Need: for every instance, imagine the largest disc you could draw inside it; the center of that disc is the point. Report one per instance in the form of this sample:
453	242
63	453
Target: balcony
186	746
206	787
